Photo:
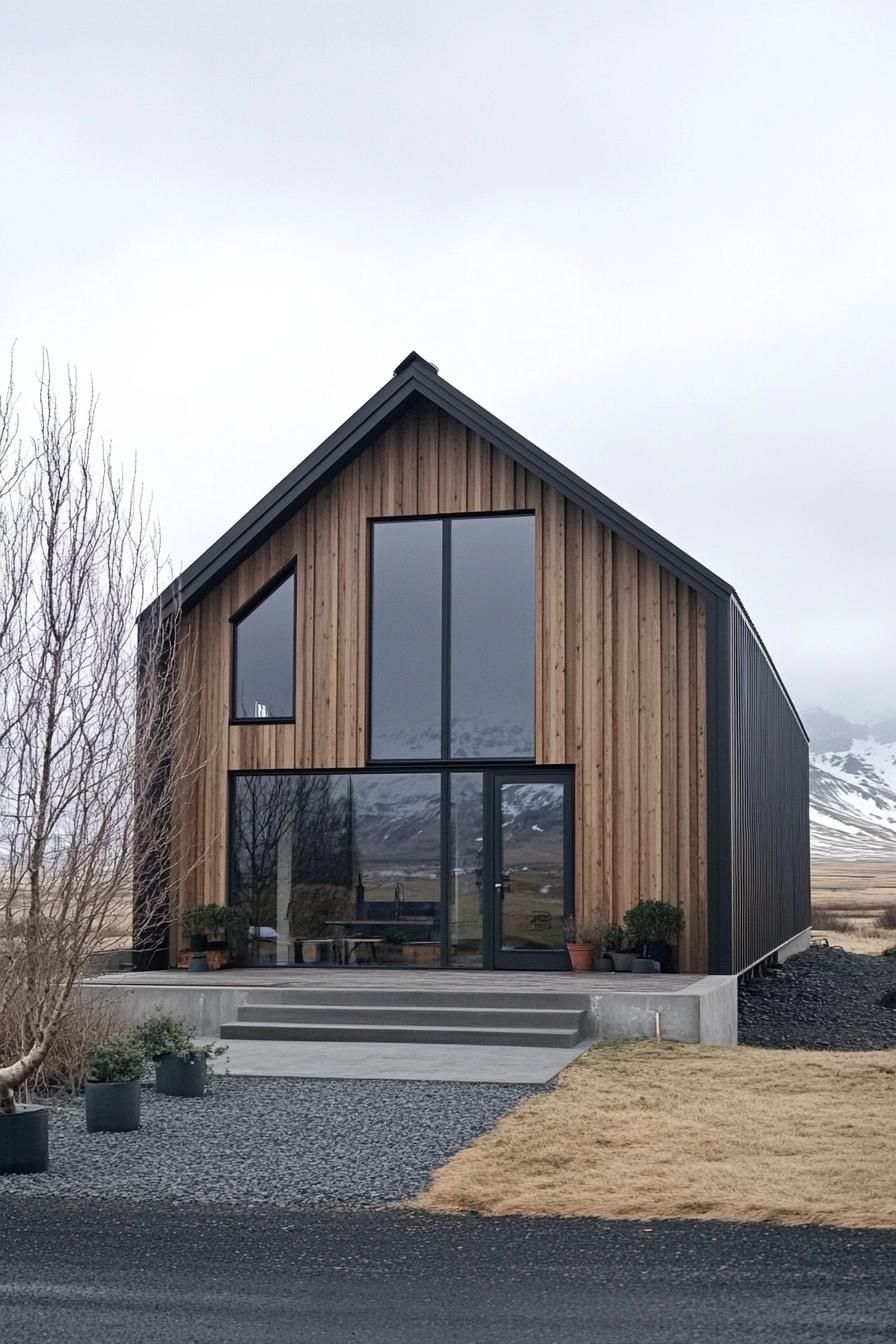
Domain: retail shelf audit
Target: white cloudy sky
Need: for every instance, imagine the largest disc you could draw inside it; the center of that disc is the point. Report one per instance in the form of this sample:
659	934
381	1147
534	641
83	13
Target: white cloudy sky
657	238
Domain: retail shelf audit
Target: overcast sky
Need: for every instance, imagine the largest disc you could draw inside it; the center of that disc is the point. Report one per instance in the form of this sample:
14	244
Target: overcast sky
657	238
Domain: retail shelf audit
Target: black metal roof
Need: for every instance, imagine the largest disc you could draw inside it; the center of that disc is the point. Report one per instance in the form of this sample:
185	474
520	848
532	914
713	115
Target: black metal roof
416	378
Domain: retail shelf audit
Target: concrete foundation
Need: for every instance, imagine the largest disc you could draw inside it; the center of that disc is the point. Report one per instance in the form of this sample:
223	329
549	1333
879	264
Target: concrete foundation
616	1007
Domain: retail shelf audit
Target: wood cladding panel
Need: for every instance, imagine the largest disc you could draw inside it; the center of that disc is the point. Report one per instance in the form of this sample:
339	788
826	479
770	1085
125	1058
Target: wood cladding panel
620	670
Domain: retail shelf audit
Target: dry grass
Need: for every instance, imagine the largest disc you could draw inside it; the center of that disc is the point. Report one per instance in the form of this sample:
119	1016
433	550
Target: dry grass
849	901
646	1131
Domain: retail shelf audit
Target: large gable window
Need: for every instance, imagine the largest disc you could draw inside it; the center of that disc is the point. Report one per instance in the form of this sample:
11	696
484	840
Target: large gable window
453	639
264	639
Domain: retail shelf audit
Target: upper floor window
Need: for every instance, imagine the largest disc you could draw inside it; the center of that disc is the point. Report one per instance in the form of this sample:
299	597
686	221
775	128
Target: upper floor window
264	638
453	639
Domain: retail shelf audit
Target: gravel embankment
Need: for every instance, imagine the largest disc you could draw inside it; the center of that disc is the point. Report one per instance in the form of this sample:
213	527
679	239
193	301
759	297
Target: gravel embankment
823	999
288	1143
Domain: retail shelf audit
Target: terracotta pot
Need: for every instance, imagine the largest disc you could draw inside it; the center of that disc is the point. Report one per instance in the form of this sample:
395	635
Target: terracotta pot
581	956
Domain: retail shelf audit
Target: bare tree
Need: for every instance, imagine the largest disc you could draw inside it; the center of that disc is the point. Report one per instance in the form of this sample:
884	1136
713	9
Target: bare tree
80	560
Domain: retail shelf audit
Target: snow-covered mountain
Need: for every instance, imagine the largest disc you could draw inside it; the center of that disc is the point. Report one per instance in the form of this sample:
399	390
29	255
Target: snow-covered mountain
852	784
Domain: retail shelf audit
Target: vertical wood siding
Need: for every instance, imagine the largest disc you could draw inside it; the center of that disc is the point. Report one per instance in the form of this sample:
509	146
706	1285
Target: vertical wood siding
769	805
620	670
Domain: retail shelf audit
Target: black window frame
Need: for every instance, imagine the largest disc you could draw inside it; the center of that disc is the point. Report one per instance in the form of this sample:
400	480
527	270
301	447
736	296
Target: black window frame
255	601
445	760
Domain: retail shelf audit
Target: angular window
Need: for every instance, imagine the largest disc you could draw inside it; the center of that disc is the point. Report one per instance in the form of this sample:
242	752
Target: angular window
264	656
453	639
406	645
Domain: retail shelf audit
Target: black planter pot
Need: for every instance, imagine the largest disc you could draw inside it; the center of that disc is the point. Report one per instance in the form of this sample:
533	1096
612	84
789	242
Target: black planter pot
661	952
645	966
198	942
112	1108
24	1142
176	1077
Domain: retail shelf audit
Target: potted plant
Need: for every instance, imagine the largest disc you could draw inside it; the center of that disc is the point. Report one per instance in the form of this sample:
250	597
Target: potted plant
581	942
198	921
112	1090
614	942
181	1065
652	927
614	938
24	1140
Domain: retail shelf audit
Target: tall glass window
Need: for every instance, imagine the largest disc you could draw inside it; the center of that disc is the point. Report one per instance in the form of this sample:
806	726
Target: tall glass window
492	637
453	639
264	656
406	654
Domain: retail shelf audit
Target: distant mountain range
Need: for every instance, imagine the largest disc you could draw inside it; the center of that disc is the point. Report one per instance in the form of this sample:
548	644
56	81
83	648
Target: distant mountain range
852	786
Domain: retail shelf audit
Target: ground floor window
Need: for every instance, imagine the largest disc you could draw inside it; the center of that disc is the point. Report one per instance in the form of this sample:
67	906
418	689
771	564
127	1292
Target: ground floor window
417	868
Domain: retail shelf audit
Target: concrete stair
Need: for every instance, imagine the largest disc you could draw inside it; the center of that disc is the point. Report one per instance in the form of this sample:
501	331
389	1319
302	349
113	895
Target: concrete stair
414	1016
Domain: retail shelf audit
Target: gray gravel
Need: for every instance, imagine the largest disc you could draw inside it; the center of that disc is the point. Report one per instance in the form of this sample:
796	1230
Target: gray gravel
823	999
285	1142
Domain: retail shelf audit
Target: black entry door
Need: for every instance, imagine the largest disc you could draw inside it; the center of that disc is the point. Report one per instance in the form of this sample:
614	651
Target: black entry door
532	883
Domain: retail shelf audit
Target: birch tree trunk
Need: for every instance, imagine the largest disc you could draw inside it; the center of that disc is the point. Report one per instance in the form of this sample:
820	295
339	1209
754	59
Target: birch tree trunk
79	560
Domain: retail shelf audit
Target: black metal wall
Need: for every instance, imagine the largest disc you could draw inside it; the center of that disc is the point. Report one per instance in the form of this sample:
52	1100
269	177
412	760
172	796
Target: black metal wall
769	762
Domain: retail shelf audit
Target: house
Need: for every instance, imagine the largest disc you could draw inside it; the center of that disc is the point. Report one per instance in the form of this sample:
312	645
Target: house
447	693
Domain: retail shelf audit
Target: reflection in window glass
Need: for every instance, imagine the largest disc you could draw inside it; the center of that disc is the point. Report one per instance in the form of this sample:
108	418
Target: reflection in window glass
406	660
338	867
465	870
492	637
263	653
533	864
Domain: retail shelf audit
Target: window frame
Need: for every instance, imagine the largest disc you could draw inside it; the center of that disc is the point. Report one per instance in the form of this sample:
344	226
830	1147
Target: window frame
445	759
290	571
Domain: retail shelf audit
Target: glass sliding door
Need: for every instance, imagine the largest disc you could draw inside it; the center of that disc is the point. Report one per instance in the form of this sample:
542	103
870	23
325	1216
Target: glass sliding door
533	868
447	867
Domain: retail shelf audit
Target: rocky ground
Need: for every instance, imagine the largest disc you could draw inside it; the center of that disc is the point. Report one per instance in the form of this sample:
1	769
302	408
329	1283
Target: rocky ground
823	999
276	1142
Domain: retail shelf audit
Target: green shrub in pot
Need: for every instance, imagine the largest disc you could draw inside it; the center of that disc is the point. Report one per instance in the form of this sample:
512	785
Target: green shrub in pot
181	1065
112	1090
652	927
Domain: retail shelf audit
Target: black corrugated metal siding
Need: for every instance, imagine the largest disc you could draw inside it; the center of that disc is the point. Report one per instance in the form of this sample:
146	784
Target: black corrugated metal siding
770	891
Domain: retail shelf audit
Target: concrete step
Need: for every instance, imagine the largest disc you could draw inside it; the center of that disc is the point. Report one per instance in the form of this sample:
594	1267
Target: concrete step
416	1015
421	998
419	1035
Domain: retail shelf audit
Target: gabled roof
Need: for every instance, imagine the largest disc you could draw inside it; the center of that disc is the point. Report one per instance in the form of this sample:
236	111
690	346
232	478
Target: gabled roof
416	378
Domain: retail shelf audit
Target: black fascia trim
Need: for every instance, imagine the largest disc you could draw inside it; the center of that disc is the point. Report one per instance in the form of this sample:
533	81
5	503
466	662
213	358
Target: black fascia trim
768	658
418	380
568	483
312	474
719	791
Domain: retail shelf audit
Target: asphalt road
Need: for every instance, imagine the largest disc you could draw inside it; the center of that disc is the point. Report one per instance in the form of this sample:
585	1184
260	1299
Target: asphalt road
133	1273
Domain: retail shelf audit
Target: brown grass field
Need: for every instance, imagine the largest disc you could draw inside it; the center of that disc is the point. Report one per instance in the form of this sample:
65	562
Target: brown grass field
644	1130
847	901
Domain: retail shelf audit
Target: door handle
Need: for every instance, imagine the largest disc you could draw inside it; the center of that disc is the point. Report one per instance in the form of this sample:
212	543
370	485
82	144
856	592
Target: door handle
499	887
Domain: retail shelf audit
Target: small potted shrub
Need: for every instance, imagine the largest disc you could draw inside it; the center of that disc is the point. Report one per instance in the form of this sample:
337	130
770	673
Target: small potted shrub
112	1090
615	946
652	927
613	941
199	921
181	1065
24	1140
581	942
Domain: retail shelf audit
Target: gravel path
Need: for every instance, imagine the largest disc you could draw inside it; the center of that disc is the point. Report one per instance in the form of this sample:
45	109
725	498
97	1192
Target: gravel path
289	1143
823	999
